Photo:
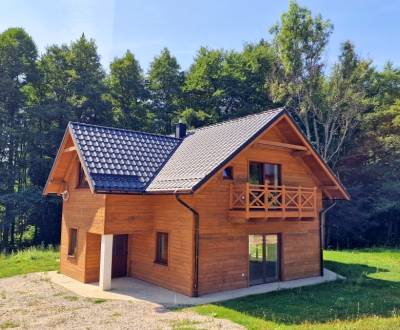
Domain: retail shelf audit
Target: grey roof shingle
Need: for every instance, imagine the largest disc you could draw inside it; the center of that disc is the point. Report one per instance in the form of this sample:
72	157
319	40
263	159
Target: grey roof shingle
204	150
121	160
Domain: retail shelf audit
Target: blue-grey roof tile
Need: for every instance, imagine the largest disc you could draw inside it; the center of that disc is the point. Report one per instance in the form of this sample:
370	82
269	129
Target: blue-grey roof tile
120	160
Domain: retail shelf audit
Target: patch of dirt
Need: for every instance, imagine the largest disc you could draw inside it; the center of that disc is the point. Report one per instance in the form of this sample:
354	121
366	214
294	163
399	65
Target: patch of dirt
34	302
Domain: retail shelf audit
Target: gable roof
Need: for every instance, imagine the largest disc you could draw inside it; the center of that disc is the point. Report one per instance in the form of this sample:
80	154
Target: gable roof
121	160
206	149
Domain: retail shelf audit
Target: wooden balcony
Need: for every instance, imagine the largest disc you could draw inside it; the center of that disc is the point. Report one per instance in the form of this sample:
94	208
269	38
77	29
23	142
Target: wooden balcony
266	201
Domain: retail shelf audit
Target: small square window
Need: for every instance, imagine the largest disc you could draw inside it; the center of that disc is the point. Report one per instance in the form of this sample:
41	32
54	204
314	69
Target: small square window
228	173
72	242
162	248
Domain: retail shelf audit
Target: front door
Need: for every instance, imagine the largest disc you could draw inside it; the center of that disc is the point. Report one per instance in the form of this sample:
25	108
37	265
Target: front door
120	255
263	258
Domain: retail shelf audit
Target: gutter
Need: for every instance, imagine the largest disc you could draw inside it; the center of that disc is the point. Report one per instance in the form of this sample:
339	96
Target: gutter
196	219
322	214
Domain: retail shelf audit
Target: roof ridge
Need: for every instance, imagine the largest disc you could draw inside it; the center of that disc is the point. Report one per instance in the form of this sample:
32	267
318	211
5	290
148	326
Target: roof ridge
125	130
239	118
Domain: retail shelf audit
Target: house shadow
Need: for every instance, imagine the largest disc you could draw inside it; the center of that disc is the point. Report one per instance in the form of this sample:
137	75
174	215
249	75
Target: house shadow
360	295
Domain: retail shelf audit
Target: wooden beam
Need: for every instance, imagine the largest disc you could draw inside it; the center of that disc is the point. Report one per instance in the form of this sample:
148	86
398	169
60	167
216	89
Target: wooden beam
69	149
329	187
282	145
327	193
237	220
70	166
301	153
66	138
60	184
57	181
318	159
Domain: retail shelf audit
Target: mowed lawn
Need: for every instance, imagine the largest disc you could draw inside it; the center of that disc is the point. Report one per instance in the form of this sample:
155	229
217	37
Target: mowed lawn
29	261
368	299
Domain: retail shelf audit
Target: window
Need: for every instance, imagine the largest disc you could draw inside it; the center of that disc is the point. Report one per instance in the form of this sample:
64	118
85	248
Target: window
82	180
265	173
256	173
272	174
73	240
228	173
162	248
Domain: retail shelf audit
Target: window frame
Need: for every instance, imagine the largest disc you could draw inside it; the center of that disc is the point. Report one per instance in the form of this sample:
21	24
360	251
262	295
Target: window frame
70	248
159	253
228	177
262	174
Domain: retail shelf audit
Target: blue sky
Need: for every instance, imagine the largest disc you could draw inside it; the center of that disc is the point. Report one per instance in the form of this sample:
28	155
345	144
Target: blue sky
146	26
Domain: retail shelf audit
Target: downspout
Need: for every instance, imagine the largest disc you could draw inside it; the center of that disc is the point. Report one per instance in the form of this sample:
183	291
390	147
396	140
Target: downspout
196	237
322	214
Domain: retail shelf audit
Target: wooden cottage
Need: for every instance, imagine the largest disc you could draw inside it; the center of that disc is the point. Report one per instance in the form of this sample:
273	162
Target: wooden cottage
222	207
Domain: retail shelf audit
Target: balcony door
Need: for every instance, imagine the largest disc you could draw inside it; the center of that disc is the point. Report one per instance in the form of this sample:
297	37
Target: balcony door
265	173
263	258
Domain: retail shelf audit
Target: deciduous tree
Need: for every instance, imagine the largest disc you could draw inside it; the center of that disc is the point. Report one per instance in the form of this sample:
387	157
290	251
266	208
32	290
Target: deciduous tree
165	80
127	93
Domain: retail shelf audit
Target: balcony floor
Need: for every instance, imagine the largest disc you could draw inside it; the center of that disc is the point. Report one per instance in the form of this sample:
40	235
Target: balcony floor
262	214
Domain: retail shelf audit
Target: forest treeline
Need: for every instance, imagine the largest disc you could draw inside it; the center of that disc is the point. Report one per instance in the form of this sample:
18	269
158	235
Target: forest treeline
349	110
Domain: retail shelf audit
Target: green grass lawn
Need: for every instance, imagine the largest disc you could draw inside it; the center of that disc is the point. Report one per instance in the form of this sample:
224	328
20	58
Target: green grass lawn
368	299
28	261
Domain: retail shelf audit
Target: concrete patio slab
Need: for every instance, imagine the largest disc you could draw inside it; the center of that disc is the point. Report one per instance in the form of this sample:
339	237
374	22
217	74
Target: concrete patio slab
128	288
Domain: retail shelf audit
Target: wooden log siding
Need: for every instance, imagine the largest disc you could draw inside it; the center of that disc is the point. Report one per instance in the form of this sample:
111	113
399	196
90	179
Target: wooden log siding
142	216
223	257
86	212
224	244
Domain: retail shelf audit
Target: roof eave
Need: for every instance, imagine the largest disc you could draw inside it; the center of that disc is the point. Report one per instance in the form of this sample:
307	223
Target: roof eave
144	192
337	182
81	159
59	153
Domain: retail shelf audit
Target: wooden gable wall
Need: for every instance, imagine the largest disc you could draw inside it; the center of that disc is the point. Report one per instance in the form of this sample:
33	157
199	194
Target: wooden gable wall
86	212
224	245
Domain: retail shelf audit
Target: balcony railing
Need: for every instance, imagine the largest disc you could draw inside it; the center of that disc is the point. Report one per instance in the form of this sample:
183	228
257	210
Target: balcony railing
289	200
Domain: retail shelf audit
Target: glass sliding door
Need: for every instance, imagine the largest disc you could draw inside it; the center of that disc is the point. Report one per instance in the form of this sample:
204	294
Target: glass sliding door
256	258
263	258
271	258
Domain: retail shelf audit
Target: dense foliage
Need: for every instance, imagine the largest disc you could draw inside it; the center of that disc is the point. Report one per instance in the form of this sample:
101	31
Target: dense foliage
350	112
